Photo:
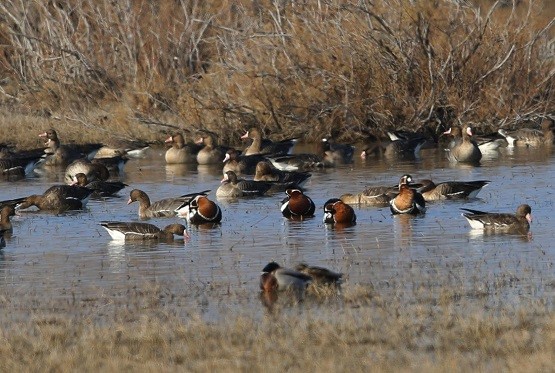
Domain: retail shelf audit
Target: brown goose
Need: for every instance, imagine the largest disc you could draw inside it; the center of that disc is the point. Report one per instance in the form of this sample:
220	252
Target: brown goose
530	136
464	150
6	212
519	222
233	187
142	231
373	196
450	189
58	154
241	164
100	188
265	146
58	198
92	170
181	152
211	153
162	208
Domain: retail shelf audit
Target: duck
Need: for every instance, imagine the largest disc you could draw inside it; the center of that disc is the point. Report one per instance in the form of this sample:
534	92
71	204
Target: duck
200	210
529	136
450	189
378	196
241	164
58	198
464	149
58	154
274	278
180	152
338	212
265	146
491	221
210	153
265	171
93	171
297	205
6	211
100	188
162	208
320	275
408	201
143	231
233	187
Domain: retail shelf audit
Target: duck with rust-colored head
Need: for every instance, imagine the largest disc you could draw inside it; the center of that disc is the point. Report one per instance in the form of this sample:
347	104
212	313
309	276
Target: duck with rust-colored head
297	205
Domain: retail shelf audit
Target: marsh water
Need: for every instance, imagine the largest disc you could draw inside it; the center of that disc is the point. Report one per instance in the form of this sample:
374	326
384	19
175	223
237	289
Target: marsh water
70	256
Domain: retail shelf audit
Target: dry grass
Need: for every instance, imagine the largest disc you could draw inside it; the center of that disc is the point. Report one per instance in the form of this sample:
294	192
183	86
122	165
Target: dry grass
359	330
144	67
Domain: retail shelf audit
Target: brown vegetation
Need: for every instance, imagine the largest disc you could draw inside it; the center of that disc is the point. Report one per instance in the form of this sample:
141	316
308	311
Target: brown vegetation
138	68
361	330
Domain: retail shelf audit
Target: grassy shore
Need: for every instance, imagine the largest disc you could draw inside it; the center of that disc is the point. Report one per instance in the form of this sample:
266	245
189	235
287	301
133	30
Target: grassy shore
359	330
143	69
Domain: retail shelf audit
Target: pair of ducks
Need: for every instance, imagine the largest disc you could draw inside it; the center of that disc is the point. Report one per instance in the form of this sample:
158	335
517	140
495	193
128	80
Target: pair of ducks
276	278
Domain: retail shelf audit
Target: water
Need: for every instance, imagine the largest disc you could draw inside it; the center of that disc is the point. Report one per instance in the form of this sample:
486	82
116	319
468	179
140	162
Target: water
71	257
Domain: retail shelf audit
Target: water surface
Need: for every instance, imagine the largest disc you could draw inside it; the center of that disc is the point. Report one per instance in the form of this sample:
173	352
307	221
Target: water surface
71	257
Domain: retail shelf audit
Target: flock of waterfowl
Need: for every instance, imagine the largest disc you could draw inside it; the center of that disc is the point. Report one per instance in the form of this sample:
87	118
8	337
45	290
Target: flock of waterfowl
88	168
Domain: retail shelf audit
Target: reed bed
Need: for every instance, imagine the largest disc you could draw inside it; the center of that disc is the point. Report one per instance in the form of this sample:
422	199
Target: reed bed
310	68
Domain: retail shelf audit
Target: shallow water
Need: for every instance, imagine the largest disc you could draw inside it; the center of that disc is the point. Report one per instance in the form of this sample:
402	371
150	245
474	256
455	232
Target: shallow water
70	256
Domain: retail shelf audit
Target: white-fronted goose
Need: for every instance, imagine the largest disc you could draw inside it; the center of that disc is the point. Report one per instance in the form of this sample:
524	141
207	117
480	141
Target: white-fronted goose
143	231
181	152
464	150
162	208
58	154
93	171
233	187
241	164
211	153
529	136
265	146
58	198
504	222
6	211
100	188
451	189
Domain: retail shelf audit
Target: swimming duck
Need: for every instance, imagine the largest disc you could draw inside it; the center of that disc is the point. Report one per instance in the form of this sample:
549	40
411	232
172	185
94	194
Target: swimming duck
408	201
297	205
143	231
519	222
